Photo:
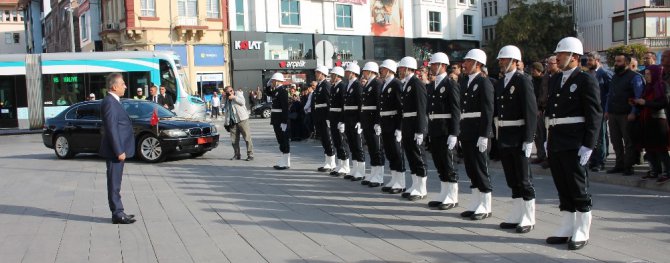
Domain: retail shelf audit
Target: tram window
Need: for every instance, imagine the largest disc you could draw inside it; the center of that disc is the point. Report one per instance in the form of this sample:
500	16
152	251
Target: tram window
63	89
168	79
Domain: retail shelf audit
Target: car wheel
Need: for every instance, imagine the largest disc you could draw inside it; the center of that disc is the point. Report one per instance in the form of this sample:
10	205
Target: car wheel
149	149
62	147
198	154
266	113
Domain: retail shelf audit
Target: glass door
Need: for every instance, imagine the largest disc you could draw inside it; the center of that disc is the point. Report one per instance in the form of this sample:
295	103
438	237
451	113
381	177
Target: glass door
8	117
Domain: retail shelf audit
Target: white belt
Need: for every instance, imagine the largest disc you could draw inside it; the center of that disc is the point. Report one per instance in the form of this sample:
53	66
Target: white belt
276	110
659	114
336	109
350	107
567	120
369	108
509	123
322	105
388	113
468	115
408	114
439	116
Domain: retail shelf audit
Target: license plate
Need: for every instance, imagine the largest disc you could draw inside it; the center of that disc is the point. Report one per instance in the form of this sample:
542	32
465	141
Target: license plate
205	140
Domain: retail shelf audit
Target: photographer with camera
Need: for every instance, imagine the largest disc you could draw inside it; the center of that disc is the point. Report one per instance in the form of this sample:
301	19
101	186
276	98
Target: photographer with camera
235	122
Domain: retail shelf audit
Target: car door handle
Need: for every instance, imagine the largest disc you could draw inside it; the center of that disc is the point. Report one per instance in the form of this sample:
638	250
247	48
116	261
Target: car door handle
69	126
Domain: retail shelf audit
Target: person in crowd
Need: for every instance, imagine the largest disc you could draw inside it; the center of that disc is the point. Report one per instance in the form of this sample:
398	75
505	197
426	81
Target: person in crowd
216	104
626	85
648	59
235	119
634	64
604	78
665	62
91	96
296	115
154	96
350	123
140	94
252	99
308	124
537	74
455	72
319	105
653	130
279	118
168	102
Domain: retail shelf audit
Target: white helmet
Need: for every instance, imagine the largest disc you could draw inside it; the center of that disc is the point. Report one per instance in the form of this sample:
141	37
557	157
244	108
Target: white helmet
390	65
278	77
510	51
570	44
476	55
337	71
371	66
408	62
354	68
439	58
322	69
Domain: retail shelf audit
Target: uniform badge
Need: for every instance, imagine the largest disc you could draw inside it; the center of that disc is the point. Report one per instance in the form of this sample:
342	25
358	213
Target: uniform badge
511	90
337	90
409	88
442	90
573	87
389	91
350	90
475	87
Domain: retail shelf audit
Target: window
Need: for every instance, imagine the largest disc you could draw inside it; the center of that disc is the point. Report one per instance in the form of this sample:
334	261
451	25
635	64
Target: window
88	112
467	24
636	27
472	2
9	38
343	16
213	8
495	8
346	47
15	16
7	16
239	14
83	27
461	1
187	8
388	47
434	22
618	30
148	7
290	12
288	46
486	11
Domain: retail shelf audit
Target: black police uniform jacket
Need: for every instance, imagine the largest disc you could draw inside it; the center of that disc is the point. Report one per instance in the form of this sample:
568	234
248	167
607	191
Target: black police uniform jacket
279	101
371	93
578	97
415	100
321	95
390	100
516	101
337	101
445	98
353	97
476	97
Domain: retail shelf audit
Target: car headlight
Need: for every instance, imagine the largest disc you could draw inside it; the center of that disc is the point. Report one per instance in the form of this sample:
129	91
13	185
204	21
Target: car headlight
214	129
174	133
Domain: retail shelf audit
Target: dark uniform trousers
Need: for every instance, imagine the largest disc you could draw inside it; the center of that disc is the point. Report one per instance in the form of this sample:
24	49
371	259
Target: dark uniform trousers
476	97
321	125
443	159
415	98
282	138
393	151
321	96
370	117
352	113
374	144
516	101
280	102
444	99
335	117
578	97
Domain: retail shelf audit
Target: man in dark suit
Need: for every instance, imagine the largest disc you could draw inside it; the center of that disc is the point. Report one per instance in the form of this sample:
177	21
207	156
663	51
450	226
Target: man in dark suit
444	113
352	123
516	121
117	144
476	129
168	102
390	113
414	127
279	118
155	97
370	119
320	105
574	116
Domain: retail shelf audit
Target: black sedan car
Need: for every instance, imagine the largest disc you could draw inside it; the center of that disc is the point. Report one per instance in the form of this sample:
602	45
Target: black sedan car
77	130
263	109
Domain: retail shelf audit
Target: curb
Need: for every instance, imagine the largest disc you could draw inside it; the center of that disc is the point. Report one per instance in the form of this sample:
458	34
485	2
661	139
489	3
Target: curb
18	132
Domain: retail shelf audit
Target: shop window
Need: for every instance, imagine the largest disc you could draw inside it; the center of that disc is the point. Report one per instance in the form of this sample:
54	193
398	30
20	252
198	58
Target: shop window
290	12
346	48
288	46
343	16
388	47
434	22
8	38
618	30
17	38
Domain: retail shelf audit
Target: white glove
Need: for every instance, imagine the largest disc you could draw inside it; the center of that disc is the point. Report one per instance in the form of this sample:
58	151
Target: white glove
482	144
545	148
585	154
451	142
398	135
378	129
340	126
283	127
418	137
527	149
358	128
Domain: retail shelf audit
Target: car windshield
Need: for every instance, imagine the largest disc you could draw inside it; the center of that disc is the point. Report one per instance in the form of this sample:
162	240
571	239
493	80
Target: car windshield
144	109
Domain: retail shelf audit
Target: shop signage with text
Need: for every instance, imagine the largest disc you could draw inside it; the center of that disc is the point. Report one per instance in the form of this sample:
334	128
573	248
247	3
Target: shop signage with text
292	64
248	45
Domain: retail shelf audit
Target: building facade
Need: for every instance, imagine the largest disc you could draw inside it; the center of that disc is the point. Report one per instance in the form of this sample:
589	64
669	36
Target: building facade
61	30
12	28
89	25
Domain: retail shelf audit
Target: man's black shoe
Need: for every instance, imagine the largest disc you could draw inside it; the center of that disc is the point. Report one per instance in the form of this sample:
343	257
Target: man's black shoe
396	190
467	213
524	229
504	225
434	203
446	206
322	169
348	177
371	185
249	158
123	220
386	188
577	245
365	182
235	158
557	240
481	216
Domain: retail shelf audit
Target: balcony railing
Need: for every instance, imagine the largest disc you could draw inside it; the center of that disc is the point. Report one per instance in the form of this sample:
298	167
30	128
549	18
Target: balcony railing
659	3
657	42
187	21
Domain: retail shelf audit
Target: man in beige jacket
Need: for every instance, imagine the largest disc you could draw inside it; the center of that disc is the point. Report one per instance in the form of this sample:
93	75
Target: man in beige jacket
236	121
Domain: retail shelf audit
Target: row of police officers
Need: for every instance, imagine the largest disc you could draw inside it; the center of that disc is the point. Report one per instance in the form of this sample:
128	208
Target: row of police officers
394	112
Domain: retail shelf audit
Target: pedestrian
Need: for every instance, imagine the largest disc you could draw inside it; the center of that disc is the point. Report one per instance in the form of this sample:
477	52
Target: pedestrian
414	127
476	129
537	75
626	85
308	122
252	99
296	117
574	114
351	120
604	78
216	104
279	118
515	122
335	118
140	94
634	64
665	62
444	111
320	107
91	97
455	72
235	119
370	121
653	131
154	96
117	144
390	107
168	102
648	59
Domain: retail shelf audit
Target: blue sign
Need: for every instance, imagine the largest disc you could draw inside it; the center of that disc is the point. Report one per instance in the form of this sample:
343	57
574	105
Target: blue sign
180	50
208	55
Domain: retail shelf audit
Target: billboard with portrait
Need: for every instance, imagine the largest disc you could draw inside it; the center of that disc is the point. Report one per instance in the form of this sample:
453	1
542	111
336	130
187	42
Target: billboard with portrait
387	18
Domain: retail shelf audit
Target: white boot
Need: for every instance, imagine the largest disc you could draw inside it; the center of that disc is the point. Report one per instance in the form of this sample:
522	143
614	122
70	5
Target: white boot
368	177
344	167
354	169
280	161
287	160
331	162
528	212
567	225
394	178
409	190
359	172
582	226
378	175
474	200
419	191
515	213
484	208
400	181
441	196
452	194
337	167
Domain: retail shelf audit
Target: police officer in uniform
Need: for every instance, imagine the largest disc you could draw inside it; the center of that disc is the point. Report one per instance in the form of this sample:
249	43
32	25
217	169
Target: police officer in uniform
370	120
515	122
336	125
444	114
353	100
390	113
279	118
414	127
573	118
476	129
320	107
